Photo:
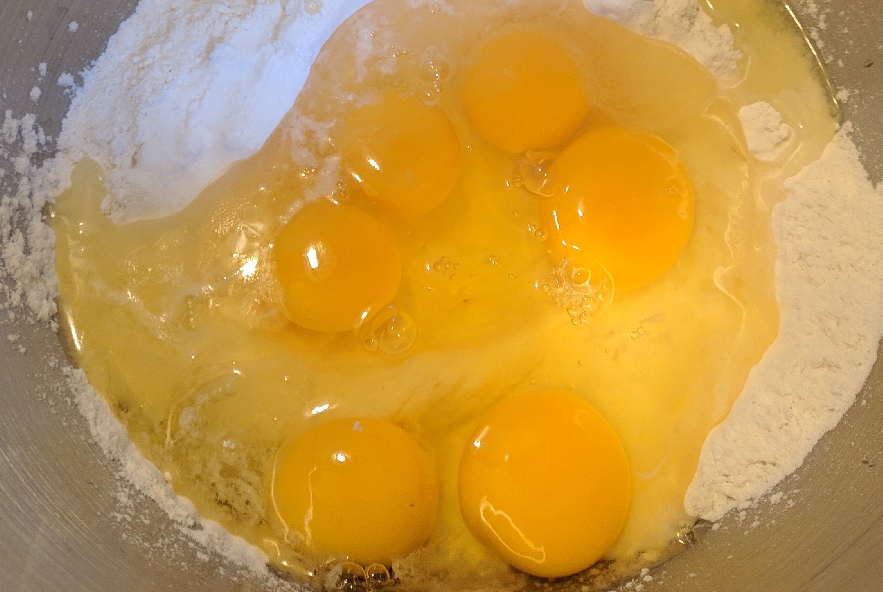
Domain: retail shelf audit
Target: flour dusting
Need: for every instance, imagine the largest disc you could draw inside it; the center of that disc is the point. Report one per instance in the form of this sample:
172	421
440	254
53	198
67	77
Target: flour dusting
26	244
111	437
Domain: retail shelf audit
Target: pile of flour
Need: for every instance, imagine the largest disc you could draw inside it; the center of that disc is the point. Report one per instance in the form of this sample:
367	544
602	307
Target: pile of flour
186	88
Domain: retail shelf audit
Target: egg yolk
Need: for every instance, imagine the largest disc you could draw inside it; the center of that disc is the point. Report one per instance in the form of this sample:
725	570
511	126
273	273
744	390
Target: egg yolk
360	488
544	482
404	154
523	91
336	266
624	202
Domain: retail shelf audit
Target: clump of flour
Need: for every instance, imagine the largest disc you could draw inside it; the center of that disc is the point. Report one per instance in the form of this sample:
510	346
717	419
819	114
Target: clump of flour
185	89
766	133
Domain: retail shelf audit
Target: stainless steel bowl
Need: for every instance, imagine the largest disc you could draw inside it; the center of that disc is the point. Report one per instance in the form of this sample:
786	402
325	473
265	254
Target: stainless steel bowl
61	524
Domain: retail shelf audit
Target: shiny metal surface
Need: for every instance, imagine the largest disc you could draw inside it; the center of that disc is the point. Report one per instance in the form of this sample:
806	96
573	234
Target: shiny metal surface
60	527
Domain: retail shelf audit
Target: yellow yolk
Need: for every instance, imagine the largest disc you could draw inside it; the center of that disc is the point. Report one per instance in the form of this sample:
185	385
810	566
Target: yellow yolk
523	91
336	266
545	483
403	153
624	202
360	488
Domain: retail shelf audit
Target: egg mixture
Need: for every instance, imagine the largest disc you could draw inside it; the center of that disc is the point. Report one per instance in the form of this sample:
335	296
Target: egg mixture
476	303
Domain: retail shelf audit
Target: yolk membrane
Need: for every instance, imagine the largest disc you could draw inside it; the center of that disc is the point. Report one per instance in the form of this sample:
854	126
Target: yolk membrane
624	202
359	488
336	266
545	483
523	91
404	154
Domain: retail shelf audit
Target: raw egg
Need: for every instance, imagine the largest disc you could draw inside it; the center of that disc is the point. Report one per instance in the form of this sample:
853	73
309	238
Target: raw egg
391	335
403	153
336	266
523	90
624	202
545	483
356	488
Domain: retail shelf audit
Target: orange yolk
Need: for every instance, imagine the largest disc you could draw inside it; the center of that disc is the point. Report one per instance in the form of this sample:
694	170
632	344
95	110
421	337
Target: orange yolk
624	202
404	154
545	483
358	488
336	266
523	91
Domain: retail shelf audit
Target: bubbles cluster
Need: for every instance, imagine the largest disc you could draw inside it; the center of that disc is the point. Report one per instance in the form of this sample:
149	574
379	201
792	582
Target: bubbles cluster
581	291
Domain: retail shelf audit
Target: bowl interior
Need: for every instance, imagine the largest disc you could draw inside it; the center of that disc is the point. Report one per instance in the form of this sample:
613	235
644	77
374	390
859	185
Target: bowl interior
70	524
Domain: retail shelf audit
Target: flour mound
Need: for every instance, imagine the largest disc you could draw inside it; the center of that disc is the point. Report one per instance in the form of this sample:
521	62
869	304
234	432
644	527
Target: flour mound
829	286
186	88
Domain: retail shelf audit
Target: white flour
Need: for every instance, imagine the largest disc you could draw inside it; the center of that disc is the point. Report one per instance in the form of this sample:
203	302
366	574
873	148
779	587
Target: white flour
765	131
829	278
187	88
110	435
681	22
27	256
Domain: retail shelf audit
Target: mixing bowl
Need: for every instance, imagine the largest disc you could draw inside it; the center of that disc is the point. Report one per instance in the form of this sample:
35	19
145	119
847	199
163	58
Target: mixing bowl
67	523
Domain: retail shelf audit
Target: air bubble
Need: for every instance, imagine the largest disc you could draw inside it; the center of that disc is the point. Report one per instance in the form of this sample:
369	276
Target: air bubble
342	192
538	173
308	171
583	291
638	333
538	232
433	71
352	576
312	6
194	308
188	316
390	331
377	575
446	267
685	536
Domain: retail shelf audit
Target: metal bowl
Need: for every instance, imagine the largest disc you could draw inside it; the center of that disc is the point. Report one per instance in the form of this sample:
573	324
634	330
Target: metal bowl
61	523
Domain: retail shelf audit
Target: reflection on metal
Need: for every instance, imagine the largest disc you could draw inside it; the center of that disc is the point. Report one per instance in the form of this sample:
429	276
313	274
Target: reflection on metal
836	111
